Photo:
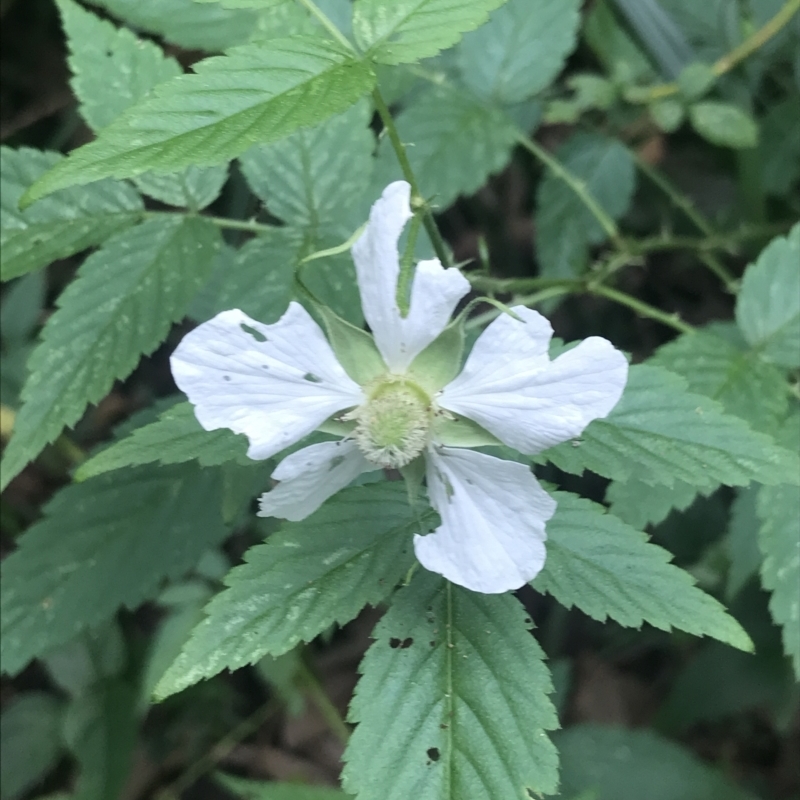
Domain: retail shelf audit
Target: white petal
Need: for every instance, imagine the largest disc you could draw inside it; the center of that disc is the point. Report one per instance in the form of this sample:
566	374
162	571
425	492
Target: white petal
435	291
510	387
493	512
310	476
273	383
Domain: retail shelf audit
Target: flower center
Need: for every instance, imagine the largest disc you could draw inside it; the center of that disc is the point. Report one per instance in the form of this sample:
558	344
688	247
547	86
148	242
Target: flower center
392	426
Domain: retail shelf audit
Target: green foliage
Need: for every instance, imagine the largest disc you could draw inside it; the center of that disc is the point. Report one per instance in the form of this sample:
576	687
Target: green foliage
187	23
768	307
741	544
176	437
608	569
565	227
301	581
779	147
100	728
724	124
640	504
730	373
620	764
317	177
778	507
408	30
452	702
520	50
255	790
659	433
30	742
64	223
112	70
119	307
252	94
104	544
448	129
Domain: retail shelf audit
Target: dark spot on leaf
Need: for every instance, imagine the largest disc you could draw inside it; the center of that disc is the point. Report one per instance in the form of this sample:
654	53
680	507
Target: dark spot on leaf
433	644
257	335
444	726
406	643
433	753
310	376
394	643
528	621
226	377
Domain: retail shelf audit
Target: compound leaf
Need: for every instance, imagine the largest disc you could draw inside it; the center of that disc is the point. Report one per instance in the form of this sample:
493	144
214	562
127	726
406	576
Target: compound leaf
60	225
453	701
255	93
520	50
120	307
659	433
325	569
768	306
609	569
403	31
101	545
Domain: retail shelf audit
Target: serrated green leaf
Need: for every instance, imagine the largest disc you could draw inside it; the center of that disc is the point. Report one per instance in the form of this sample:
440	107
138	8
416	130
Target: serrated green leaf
191	25
257	278
119	308
622	764
101	545
641	505
741	543
30	741
446	130
732	375
609	569
563	222
453	701
257	790
113	69
659	433
778	507
176	437
253	94
325	569
65	223
520	50
724	124
404	31
100	728
768	306
316	177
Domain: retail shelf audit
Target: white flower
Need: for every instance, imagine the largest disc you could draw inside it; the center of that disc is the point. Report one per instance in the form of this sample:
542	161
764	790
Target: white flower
277	383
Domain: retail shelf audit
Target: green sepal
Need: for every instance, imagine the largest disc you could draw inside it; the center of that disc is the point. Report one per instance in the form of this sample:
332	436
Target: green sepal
336	427
355	349
458	431
414	473
440	361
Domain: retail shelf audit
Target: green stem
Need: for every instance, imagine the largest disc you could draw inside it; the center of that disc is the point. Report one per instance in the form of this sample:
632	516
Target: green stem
407	268
640	307
685	204
323	703
327	24
418	202
739	53
577	186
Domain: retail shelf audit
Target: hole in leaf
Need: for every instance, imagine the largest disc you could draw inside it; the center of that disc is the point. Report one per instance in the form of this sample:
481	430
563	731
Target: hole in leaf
394	643
257	335
406	643
433	753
